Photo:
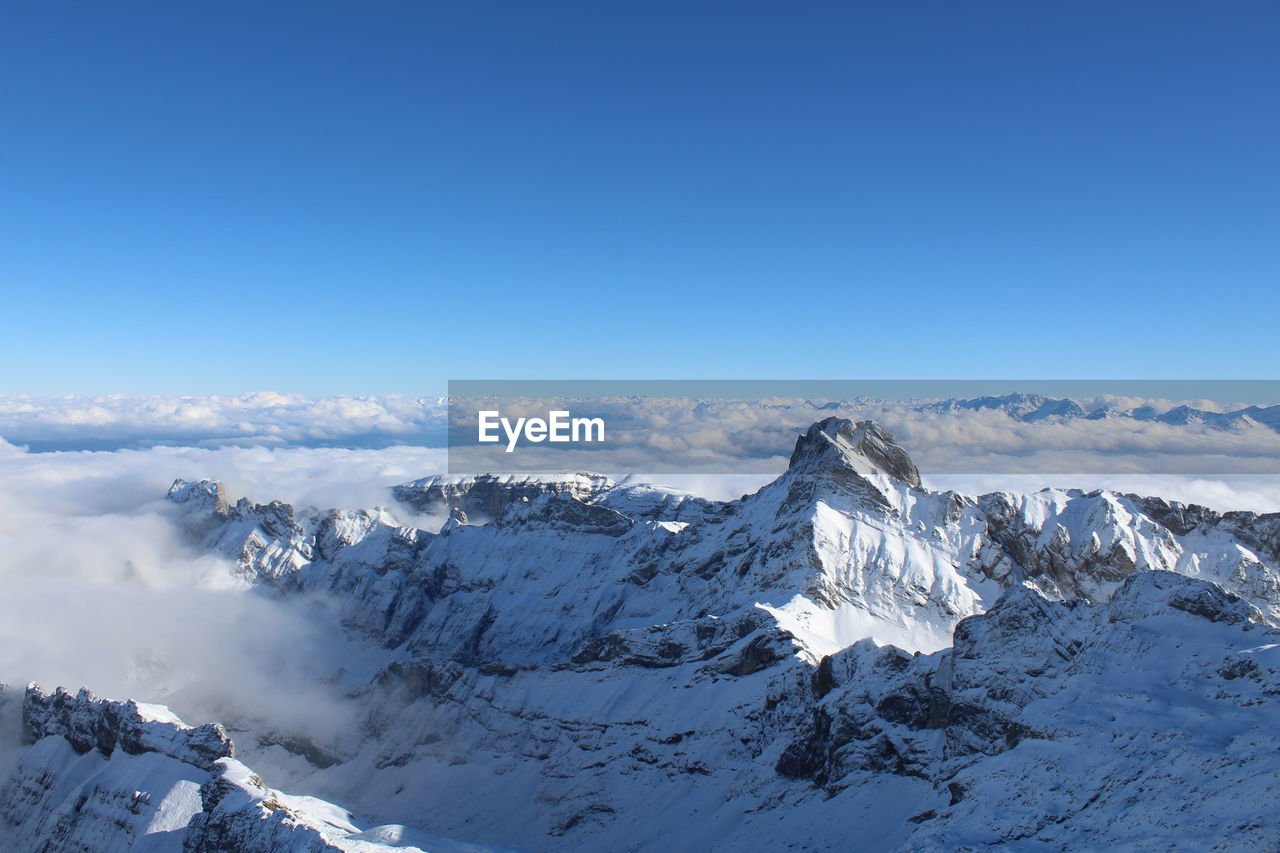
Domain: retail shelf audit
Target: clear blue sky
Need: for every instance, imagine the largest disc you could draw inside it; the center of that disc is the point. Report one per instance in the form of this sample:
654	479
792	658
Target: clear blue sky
375	197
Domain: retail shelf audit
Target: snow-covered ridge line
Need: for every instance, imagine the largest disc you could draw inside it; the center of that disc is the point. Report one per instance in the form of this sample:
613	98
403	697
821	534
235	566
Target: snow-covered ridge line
844	545
88	722
1037	407
97	749
1038	731
483	497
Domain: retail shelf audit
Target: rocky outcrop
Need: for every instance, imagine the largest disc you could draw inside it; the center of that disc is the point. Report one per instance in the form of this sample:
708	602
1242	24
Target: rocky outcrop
740	644
102	774
564	513
240	813
1033	677
831	444
486	496
87	722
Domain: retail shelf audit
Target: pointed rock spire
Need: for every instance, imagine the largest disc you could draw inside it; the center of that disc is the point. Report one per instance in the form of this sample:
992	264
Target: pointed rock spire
839	443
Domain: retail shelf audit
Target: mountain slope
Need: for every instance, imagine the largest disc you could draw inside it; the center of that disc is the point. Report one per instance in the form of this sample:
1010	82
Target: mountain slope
105	775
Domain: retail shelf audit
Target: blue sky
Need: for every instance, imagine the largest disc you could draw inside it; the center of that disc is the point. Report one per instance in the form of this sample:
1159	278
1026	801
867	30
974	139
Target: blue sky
374	198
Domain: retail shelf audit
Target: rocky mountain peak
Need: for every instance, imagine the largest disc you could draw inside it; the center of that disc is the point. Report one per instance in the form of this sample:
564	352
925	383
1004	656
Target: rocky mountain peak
88	722
840	444
203	496
486	496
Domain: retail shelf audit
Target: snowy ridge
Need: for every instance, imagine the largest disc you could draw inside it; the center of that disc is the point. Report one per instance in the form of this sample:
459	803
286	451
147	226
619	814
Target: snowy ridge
107	775
87	722
483	497
1031	408
1048	718
844	545
842	652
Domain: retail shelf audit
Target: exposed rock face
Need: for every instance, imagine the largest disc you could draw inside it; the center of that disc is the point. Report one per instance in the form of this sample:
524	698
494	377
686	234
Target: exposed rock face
204	497
566	513
1038	725
485	496
755	644
88	722
831	444
240	813
843	653
108	775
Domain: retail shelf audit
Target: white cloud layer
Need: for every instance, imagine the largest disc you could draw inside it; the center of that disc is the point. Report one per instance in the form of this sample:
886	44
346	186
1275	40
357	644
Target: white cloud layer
671	434
660	435
100	588
260	418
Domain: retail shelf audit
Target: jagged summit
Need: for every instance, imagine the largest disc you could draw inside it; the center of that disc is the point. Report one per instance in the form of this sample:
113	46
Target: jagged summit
839	443
102	774
485	496
830	447
205	494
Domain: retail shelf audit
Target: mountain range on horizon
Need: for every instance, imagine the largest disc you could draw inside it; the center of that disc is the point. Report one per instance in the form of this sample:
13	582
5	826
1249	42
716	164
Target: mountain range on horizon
1036	407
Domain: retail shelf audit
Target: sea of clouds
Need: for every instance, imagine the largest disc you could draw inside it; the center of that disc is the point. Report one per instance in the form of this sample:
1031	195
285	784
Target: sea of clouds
657	434
669	435
100	586
265	418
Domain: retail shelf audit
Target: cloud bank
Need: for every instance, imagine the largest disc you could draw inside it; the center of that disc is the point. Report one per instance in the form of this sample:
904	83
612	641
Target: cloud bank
101	588
1013	435
263	418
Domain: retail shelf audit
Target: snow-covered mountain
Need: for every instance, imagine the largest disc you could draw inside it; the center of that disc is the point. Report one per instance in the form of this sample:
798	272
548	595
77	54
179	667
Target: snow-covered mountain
1037	407
106	775
1033	408
842	659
